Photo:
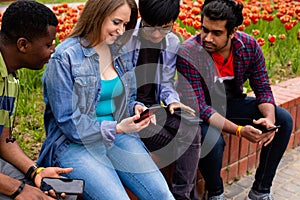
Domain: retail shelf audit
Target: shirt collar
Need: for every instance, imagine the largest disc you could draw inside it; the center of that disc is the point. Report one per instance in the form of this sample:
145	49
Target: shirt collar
3	70
237	43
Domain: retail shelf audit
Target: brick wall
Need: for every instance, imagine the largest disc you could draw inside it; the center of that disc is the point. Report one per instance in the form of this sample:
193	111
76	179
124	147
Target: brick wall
244	155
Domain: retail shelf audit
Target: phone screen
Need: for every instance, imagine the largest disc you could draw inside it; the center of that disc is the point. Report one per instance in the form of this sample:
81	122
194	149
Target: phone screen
187	117
64	185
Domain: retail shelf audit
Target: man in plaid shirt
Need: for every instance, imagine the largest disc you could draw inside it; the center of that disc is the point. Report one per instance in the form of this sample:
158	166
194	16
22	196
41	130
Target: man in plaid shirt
212	68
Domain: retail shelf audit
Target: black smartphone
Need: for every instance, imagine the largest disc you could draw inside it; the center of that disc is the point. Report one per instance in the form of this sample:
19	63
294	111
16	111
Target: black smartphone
265	130
63	185
249	121
187	117
147	113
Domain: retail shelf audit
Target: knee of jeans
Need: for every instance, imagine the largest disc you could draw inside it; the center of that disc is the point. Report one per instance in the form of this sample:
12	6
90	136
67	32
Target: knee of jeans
284	118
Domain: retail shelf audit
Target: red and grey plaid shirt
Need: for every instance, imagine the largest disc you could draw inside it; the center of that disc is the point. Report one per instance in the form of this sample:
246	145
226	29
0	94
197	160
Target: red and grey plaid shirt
196	72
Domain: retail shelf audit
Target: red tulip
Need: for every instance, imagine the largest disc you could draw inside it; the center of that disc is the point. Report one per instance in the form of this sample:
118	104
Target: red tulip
261	41
282	36
288	26
255	32
272	38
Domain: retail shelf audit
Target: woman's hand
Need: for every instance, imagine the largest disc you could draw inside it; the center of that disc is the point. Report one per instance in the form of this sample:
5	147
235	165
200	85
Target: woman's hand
138	109
129	126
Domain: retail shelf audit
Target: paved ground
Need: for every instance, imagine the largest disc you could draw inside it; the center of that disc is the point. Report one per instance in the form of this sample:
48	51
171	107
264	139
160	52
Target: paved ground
286	185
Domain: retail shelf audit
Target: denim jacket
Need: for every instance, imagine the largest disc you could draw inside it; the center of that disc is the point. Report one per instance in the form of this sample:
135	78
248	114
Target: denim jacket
165	91
72	88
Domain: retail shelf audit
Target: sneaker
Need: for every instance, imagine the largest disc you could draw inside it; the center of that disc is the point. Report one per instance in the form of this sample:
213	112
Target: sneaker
219	197
253	195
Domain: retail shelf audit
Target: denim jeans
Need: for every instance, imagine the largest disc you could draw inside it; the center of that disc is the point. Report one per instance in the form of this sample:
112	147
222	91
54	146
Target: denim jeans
106	169
213	146
174	141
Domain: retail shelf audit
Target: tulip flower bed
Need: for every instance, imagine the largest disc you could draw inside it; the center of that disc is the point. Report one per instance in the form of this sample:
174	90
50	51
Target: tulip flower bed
275	25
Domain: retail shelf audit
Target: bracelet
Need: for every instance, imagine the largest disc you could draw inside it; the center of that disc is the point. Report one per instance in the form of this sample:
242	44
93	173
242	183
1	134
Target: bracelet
30	171
238	131
18	191
37	171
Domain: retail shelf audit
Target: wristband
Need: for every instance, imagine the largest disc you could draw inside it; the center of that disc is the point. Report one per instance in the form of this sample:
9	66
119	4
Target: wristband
238	131
37	171
30	171
18	191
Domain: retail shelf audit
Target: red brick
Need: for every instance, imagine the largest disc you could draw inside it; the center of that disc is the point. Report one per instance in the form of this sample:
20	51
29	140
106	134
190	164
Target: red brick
291	103
291	141
297	120
232	172
251	161
226	137
243	167
224	174
284	93
252	148
244	148
297	138
293	91
297	101
234	149
293	112
283	103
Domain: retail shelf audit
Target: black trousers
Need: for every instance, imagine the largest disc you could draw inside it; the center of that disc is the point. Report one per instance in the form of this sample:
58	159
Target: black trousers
174	141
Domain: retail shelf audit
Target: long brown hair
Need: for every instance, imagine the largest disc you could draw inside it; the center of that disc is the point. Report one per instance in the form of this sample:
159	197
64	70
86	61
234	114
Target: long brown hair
92	17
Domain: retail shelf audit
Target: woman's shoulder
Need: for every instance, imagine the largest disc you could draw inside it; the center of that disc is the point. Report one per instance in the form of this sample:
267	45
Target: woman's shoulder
71	48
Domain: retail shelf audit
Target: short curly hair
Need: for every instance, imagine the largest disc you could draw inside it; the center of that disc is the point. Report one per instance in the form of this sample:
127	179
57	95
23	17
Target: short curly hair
28	19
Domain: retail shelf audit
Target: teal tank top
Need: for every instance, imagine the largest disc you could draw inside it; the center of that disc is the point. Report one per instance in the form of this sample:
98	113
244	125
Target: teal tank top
106	105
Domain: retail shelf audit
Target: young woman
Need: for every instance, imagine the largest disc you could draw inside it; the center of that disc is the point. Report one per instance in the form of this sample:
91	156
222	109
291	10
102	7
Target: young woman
89	91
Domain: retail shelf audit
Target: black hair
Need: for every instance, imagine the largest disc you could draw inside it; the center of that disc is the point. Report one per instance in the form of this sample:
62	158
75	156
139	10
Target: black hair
28	19
159	12
224	10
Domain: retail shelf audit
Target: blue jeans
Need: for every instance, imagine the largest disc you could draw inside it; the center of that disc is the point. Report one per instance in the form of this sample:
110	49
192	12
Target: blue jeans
174	141
213	146
106	169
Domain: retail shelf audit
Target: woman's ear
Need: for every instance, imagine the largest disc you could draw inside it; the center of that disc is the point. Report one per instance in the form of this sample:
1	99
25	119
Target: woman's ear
22	44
